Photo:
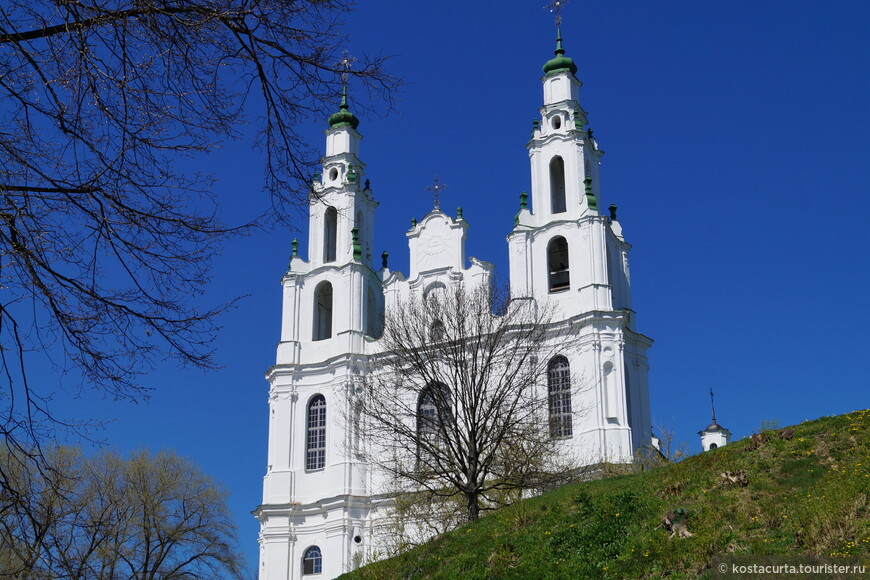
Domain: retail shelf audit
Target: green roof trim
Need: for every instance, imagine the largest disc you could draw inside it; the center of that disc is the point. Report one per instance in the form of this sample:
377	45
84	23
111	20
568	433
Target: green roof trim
590	197
343	118
578	120
357	247
524	204
560	62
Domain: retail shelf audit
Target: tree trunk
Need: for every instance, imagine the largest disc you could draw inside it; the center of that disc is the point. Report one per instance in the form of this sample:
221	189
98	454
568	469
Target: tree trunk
472	506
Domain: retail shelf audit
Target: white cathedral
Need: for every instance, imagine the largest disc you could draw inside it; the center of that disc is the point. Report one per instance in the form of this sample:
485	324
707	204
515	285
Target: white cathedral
322	501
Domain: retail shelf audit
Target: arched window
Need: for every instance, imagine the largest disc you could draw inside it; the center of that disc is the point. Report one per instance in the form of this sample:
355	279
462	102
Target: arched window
557	185
315	447
435	291
330	231
312	561
323	311
433	408
557	264
713	446
559	391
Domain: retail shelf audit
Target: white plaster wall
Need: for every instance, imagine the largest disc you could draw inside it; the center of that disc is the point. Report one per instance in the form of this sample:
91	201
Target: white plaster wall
718	437
561	87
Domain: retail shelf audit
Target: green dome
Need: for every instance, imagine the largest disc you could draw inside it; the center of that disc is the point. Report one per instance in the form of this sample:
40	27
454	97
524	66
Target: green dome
343	117
560	62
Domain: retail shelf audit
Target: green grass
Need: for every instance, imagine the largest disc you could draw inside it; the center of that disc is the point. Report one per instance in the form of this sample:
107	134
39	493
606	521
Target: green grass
806	495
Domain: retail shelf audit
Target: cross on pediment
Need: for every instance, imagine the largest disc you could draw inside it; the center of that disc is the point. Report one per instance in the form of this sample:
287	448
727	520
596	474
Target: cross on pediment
436	188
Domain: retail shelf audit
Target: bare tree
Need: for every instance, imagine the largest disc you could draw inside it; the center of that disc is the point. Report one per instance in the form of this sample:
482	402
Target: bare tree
664	449
458	403
107	517
105	235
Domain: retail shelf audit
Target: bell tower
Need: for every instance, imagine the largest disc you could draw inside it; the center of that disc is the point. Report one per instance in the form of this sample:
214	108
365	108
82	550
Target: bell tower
341	198
315	490
562	249
333	299
568	256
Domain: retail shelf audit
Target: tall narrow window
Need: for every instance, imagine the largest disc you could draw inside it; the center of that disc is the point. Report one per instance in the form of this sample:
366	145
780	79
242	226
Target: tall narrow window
433	408
330	231
559	391
323	311
312	561
372	313
315	448
557	264
557	185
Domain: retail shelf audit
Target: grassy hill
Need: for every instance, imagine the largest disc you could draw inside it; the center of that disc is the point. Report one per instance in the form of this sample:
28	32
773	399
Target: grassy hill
806	491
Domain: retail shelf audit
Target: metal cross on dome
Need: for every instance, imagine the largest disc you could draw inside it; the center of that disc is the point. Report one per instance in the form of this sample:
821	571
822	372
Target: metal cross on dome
556	8
345	64
712	405
436	188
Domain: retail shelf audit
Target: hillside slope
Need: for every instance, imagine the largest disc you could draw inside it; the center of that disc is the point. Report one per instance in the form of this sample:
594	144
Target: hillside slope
805	491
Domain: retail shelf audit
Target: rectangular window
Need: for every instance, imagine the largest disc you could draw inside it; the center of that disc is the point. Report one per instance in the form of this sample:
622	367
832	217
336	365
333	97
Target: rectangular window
316	443
559	388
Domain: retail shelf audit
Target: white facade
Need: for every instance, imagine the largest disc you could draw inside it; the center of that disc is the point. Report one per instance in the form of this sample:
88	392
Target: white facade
320	497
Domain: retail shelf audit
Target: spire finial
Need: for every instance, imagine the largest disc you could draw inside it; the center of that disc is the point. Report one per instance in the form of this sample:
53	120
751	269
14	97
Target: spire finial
559	50
555	6
559	62
344	117
345	64
436	188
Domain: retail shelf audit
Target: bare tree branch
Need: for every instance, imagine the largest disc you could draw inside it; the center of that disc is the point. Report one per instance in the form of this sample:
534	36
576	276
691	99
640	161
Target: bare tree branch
105	235
458	405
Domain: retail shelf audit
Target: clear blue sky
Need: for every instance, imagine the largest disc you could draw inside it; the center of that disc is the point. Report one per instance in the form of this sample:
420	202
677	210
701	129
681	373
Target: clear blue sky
737	152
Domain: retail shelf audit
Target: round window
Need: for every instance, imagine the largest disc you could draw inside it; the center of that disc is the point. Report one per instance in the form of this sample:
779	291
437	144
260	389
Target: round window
333	174
556	123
